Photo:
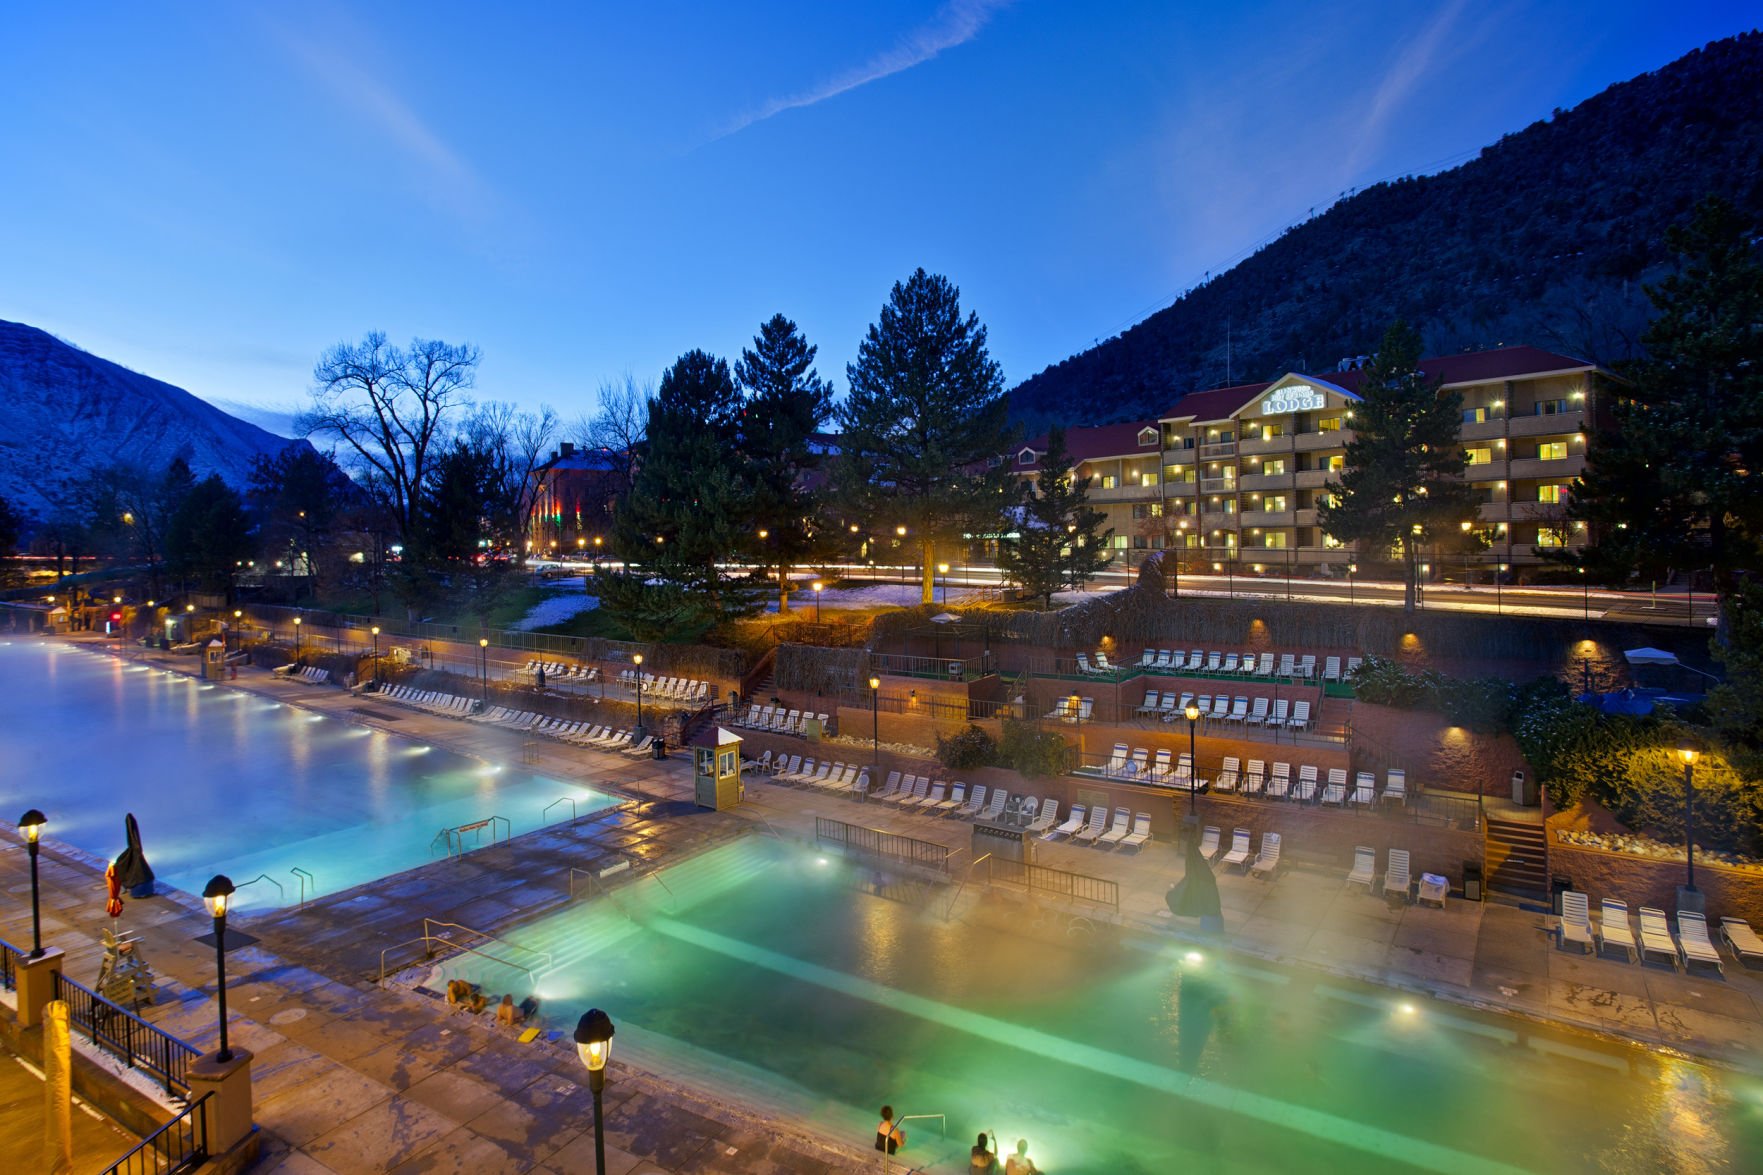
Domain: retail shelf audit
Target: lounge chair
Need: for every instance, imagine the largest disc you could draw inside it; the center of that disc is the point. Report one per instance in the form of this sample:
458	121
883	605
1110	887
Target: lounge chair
1258	712
1062	712
1364	789
1073	824
1694	945
1227	775
1168	660
1575	924
1230	663
1141	832
1300	719
1395	877
1209	842
1264	666
1267	864
1239	849
957	797
1140	766
1282	712
1656	936
1306	789
1353	664
1161	771
1094	829
1396	786
1148	658
932	801
1364	870
1116	765
1214	662
995	809
1280	782
1742	939
1102	662
1288	665
1149	709
1117	833
1614	929
1254	777
1334	793
1331	669
975	805
1239	711
1046	820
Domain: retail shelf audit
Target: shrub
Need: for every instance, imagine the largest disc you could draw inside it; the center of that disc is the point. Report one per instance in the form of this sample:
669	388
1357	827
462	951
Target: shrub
1030	751
1482	703
971	748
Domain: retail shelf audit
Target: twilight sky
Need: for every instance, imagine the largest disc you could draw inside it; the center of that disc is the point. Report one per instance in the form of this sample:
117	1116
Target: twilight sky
212	193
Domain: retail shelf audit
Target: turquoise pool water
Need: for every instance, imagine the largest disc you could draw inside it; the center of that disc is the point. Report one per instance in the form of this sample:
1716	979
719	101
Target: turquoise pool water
227	782
772	973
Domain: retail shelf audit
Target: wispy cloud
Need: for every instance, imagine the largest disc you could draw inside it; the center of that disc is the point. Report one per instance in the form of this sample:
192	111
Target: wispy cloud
1415	60
956	23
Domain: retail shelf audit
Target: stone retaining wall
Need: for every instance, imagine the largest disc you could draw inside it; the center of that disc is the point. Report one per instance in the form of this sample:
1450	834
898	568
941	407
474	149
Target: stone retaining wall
1644	881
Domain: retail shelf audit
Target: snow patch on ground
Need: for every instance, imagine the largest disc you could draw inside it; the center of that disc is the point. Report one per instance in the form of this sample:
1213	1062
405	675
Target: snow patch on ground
566	602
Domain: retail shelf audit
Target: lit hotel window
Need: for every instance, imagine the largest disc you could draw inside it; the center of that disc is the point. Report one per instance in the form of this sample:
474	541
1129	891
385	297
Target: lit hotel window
1478	455
1552	451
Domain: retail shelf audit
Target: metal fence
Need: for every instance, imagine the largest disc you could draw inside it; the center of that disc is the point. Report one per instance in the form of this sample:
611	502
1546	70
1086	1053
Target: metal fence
932	668
138	1044
1059	882
179	1145
877	843
9	956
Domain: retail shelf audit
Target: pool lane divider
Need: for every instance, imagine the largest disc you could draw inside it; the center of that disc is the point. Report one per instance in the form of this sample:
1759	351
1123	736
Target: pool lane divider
1199	1090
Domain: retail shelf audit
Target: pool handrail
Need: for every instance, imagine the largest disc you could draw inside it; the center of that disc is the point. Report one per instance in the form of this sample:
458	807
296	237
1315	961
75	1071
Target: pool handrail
265	877
306	878
965	878
550	961
427	941
574	816
459	830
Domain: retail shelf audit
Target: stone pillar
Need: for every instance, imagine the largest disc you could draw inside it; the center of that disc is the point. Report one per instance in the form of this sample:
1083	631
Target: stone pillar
36	985
229	1110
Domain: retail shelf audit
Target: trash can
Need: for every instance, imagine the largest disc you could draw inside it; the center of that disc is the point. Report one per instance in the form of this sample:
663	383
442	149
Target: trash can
1557	887
1524	793
1472	881
661	748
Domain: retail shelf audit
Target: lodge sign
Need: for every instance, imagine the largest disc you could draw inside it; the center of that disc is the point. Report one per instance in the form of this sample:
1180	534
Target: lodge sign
1293	398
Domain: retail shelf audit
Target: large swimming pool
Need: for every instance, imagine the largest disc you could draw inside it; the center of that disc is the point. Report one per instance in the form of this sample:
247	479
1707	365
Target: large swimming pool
774	974
224	781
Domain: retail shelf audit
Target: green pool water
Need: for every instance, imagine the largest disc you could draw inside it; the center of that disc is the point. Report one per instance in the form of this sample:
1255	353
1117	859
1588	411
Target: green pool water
770	973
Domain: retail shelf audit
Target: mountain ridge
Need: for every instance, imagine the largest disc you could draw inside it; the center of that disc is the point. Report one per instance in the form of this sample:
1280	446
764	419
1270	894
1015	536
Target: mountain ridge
1546	237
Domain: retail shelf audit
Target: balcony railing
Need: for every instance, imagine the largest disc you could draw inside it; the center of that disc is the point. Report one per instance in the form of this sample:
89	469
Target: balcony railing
1218	449
1218	485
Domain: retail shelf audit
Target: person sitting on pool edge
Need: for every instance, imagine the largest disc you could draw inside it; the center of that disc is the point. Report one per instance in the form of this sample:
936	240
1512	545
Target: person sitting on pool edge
1019	1163
507	1013
889	1137
983	1158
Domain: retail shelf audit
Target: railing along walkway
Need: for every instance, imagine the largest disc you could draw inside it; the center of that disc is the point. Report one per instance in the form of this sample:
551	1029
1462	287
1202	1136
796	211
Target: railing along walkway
120	1032
179	1145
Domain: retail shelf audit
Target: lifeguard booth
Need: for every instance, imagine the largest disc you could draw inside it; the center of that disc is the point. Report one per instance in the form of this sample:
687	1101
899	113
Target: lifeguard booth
716	777
214	660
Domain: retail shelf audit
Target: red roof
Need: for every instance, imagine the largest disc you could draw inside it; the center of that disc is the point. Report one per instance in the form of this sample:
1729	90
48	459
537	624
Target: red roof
1093	444
1215	403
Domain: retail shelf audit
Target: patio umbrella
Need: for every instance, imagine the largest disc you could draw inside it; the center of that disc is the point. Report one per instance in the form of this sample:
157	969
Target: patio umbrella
945	618
1196	894
1649	656
132	871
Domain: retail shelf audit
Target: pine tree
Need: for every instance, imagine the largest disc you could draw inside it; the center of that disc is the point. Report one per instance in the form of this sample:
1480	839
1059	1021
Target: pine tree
924	424
1402	482
787	403
1057	540
1672	483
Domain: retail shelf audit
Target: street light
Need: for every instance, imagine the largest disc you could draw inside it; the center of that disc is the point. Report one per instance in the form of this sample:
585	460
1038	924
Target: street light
483	666
1075	706
817	588
216	896
31	826
875	724
943	571
593	1044
1467	586
1688	755
1499	588
299	646
239	615
376	654
1585	596
1192	714
637	660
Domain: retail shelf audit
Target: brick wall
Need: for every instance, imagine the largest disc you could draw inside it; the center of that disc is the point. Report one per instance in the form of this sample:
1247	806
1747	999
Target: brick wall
1641	881
1433	752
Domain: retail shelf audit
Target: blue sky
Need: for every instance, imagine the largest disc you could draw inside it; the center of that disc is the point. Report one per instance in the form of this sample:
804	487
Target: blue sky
214	193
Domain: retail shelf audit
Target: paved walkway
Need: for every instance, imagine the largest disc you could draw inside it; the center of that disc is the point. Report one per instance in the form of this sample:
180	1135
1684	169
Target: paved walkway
97	1141
353	1078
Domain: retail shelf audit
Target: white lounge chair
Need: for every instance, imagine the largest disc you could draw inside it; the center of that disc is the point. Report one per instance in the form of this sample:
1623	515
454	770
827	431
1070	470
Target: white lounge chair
1267	864
1227	774
1306	789
1395	877
1364	789
1694	945
1117	833
1073	824
1149	709
1279	784
975	805
1046	820
1239	849
1656	936
1094	829
1141	832
1209	842
1396	786
1575	925
1364	870
1331	669
1614	929
1300	719
1742	939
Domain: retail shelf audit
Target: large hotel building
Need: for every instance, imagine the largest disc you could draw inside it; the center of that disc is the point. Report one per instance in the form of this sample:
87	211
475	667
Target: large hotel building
1231	477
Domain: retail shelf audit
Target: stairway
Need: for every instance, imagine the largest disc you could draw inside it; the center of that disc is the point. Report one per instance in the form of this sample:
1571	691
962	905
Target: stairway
761	690
1516	857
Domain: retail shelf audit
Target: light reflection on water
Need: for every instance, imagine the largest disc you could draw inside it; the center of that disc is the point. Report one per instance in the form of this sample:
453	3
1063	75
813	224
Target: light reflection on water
222	784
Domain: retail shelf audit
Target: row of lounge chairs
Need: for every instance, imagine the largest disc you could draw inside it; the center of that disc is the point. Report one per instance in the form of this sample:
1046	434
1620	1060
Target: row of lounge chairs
1290	666
1689	946
446	705
1397	876
1264	864
311	675
557	671
839	778
1138	766
1308	786
778	719
581	734
673	689
1272	713
1092	828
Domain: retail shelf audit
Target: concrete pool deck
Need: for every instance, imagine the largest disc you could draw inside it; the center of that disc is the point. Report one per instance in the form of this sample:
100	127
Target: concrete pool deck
351	1077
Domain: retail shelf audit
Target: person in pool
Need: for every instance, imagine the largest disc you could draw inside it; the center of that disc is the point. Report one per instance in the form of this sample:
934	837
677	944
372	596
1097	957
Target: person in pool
1019	1163
889	1137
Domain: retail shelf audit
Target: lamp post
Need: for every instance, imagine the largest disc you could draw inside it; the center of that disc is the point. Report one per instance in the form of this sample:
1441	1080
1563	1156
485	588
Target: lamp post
483	666
875	724
593	1043
376	654
1585	597
943	574
1467	586
239	615
1075	706
817	589
900	536
1499	588
31	825
1688	755
1352	569
299	645
1192	714
216	896
637	660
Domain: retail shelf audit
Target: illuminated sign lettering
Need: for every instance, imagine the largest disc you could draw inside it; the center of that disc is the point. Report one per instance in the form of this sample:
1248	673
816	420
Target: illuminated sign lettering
1293	398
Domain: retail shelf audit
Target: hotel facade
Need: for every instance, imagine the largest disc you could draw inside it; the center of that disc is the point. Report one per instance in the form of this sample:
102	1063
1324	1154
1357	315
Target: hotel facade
1231	478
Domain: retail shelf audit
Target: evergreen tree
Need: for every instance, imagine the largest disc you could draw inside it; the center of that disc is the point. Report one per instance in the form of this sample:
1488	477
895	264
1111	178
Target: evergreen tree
924	425
689	509
210	535
1736	705
12	524
1057	540
787	403
1402	482
1673	482
298	496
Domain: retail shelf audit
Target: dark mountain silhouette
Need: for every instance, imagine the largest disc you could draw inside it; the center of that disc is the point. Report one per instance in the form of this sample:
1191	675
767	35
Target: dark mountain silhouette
68	412
1546	238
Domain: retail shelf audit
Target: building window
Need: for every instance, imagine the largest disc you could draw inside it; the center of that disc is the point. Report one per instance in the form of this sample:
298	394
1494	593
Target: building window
1108	482
1275	539
1550	407
1118	542
1553	494
1478	455
1026	457
1330	542
1274	503
1552	451
1273	466
1180	474
1551	536
1147	436
1329	424
1148	480
1475	415
1337	462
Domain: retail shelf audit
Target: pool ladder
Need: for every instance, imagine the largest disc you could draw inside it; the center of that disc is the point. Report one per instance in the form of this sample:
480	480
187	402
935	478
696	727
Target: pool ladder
306	879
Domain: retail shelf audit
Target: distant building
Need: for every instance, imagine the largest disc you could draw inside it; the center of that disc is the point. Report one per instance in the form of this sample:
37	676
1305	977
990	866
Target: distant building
576	492
1232	477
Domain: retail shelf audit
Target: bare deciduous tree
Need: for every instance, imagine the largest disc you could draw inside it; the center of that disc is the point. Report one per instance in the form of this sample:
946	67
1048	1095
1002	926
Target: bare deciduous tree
519	440
619	424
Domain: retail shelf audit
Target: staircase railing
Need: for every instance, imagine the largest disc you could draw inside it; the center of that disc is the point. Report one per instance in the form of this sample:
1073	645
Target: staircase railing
179	1145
